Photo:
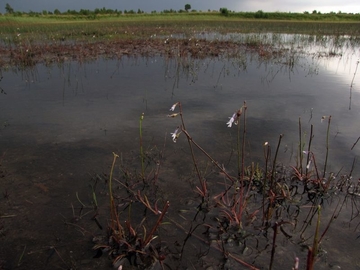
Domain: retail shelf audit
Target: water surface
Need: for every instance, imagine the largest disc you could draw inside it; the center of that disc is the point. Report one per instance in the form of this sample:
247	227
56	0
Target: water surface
60	125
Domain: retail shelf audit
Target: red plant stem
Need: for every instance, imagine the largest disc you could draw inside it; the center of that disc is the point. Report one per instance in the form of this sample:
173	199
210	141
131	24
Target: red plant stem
273	246
310	260
150	236
207	155
242	262
242	203
315	166
274	163
313	251
113	213
183	128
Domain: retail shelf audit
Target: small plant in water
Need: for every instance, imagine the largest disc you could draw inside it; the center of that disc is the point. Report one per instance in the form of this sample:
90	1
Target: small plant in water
277	188
244	216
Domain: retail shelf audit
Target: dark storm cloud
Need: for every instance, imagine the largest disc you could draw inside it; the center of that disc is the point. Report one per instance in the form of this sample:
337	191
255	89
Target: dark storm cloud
158	5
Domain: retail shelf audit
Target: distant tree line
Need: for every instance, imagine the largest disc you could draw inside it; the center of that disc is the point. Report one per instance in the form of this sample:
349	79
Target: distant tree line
92	14
314	15
86	12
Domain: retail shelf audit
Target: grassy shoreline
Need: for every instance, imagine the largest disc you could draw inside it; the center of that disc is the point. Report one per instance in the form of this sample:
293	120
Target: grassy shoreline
26	41
177	23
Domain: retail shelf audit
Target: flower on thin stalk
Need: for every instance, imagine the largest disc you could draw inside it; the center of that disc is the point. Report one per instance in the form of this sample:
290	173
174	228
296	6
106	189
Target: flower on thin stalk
308	165
174	106
234	118
175	135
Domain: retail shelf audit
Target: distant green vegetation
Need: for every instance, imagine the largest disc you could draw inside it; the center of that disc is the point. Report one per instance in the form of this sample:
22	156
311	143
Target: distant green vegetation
99	13
106	24
47	28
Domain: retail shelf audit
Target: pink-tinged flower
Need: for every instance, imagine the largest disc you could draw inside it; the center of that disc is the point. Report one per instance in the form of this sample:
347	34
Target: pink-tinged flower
233	119
174	106
175	135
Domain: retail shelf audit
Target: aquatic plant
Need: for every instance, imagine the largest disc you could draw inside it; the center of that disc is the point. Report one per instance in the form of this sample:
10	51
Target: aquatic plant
124	241
279	190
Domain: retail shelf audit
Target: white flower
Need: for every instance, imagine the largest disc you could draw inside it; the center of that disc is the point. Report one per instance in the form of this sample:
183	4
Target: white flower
232	119
175	135
174	106
308	165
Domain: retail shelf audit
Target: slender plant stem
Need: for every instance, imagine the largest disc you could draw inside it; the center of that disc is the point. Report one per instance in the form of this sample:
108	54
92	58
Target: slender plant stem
273	246
300	148
274	163
309	149
355	143
77	196
327	146
141	148
352	167
238	150
21	256
242	202
243	145
112	205
162	214
190	145
333	217
267	152
352	83
314	249
315	166
208	156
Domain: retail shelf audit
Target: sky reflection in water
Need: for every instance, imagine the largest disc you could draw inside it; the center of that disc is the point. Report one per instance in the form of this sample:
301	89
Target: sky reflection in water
104	98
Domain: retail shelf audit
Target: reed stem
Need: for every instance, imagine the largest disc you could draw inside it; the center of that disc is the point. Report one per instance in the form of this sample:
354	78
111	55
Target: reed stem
327	146
300	148
273	246
267	153
113	213
242	202
274	163
141	148
309	149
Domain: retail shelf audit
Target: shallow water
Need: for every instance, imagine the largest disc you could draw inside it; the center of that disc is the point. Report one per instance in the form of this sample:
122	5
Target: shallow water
60	125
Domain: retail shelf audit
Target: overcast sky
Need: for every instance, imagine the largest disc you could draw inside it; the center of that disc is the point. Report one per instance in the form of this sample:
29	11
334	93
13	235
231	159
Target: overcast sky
323	6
